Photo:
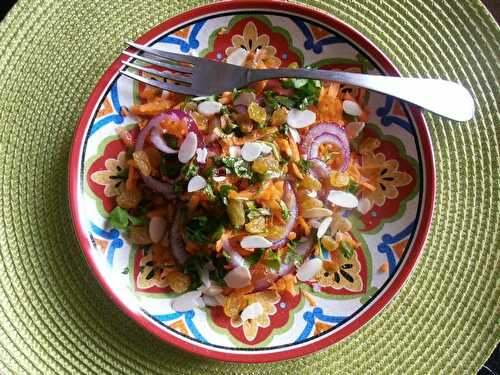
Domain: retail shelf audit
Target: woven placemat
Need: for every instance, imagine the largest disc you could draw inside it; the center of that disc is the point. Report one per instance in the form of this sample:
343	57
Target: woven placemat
54	317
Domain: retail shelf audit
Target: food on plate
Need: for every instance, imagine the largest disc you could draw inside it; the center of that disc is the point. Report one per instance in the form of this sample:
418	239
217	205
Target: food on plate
244	191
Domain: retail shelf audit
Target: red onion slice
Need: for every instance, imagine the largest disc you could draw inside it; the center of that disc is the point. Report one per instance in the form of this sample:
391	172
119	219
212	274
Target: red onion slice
291	203
235	258
152	127
320	168
191	125
161	187
326	133
159	142
178	251
303	249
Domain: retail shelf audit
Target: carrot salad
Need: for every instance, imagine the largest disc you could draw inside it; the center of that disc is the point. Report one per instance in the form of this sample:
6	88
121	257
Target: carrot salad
244	191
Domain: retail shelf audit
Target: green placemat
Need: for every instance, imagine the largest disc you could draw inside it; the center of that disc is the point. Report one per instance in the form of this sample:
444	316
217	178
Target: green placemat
54	317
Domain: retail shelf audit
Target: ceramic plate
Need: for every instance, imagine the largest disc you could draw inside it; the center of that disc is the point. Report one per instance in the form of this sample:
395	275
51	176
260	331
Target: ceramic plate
392	233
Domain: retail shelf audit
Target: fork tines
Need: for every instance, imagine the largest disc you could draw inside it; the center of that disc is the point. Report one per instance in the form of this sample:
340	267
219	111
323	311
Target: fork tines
163	59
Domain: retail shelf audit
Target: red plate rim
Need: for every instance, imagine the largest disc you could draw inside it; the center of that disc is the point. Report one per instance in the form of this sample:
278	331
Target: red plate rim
322	342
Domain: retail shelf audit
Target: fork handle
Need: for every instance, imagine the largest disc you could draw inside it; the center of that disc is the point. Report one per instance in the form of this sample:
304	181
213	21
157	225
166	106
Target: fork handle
445	98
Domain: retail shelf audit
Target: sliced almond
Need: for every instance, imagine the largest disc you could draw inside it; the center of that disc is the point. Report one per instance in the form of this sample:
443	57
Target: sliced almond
323	227
351	108
196	183
209	108
364	205
210	301
342	199
234	151
188	148
238	277
295	135
219	178
265	148
316	212
212	291
300	119
251	151
157	227
252	311
353	129
309	269
186	301
311	193
255	242
237	57
201	155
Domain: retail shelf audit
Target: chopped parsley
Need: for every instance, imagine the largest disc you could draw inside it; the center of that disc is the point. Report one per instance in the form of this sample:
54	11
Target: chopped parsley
304	165
119	218
306	91
274	101
170	168
285	212
209	192
170	140
189	170
254	257
125	271
352	187
292	257
272	260
204	230
236	166
224	193
346	249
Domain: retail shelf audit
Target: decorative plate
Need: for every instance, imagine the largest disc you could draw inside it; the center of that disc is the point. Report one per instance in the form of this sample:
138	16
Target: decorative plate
392	233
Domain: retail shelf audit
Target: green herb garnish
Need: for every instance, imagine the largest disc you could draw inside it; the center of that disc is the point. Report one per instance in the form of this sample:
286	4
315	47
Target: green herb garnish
253	258
119	218
304	165
170	140
292	257
273	260
204	230
189	170
236	166
285	213
347	250
224	193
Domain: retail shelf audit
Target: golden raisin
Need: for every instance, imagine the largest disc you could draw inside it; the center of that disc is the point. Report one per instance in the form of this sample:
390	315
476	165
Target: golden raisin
236	212
257	225
178	281
339	179
279	116
142	161
129	198
310	183
329	243
257	113
310	203
139	235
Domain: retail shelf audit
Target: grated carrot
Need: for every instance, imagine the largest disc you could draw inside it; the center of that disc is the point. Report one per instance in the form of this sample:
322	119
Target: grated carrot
305	227
294	149
131	182
255	135
284	146
152	108
295	170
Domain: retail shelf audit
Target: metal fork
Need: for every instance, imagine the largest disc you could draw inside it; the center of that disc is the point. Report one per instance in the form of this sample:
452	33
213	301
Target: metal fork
202	77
